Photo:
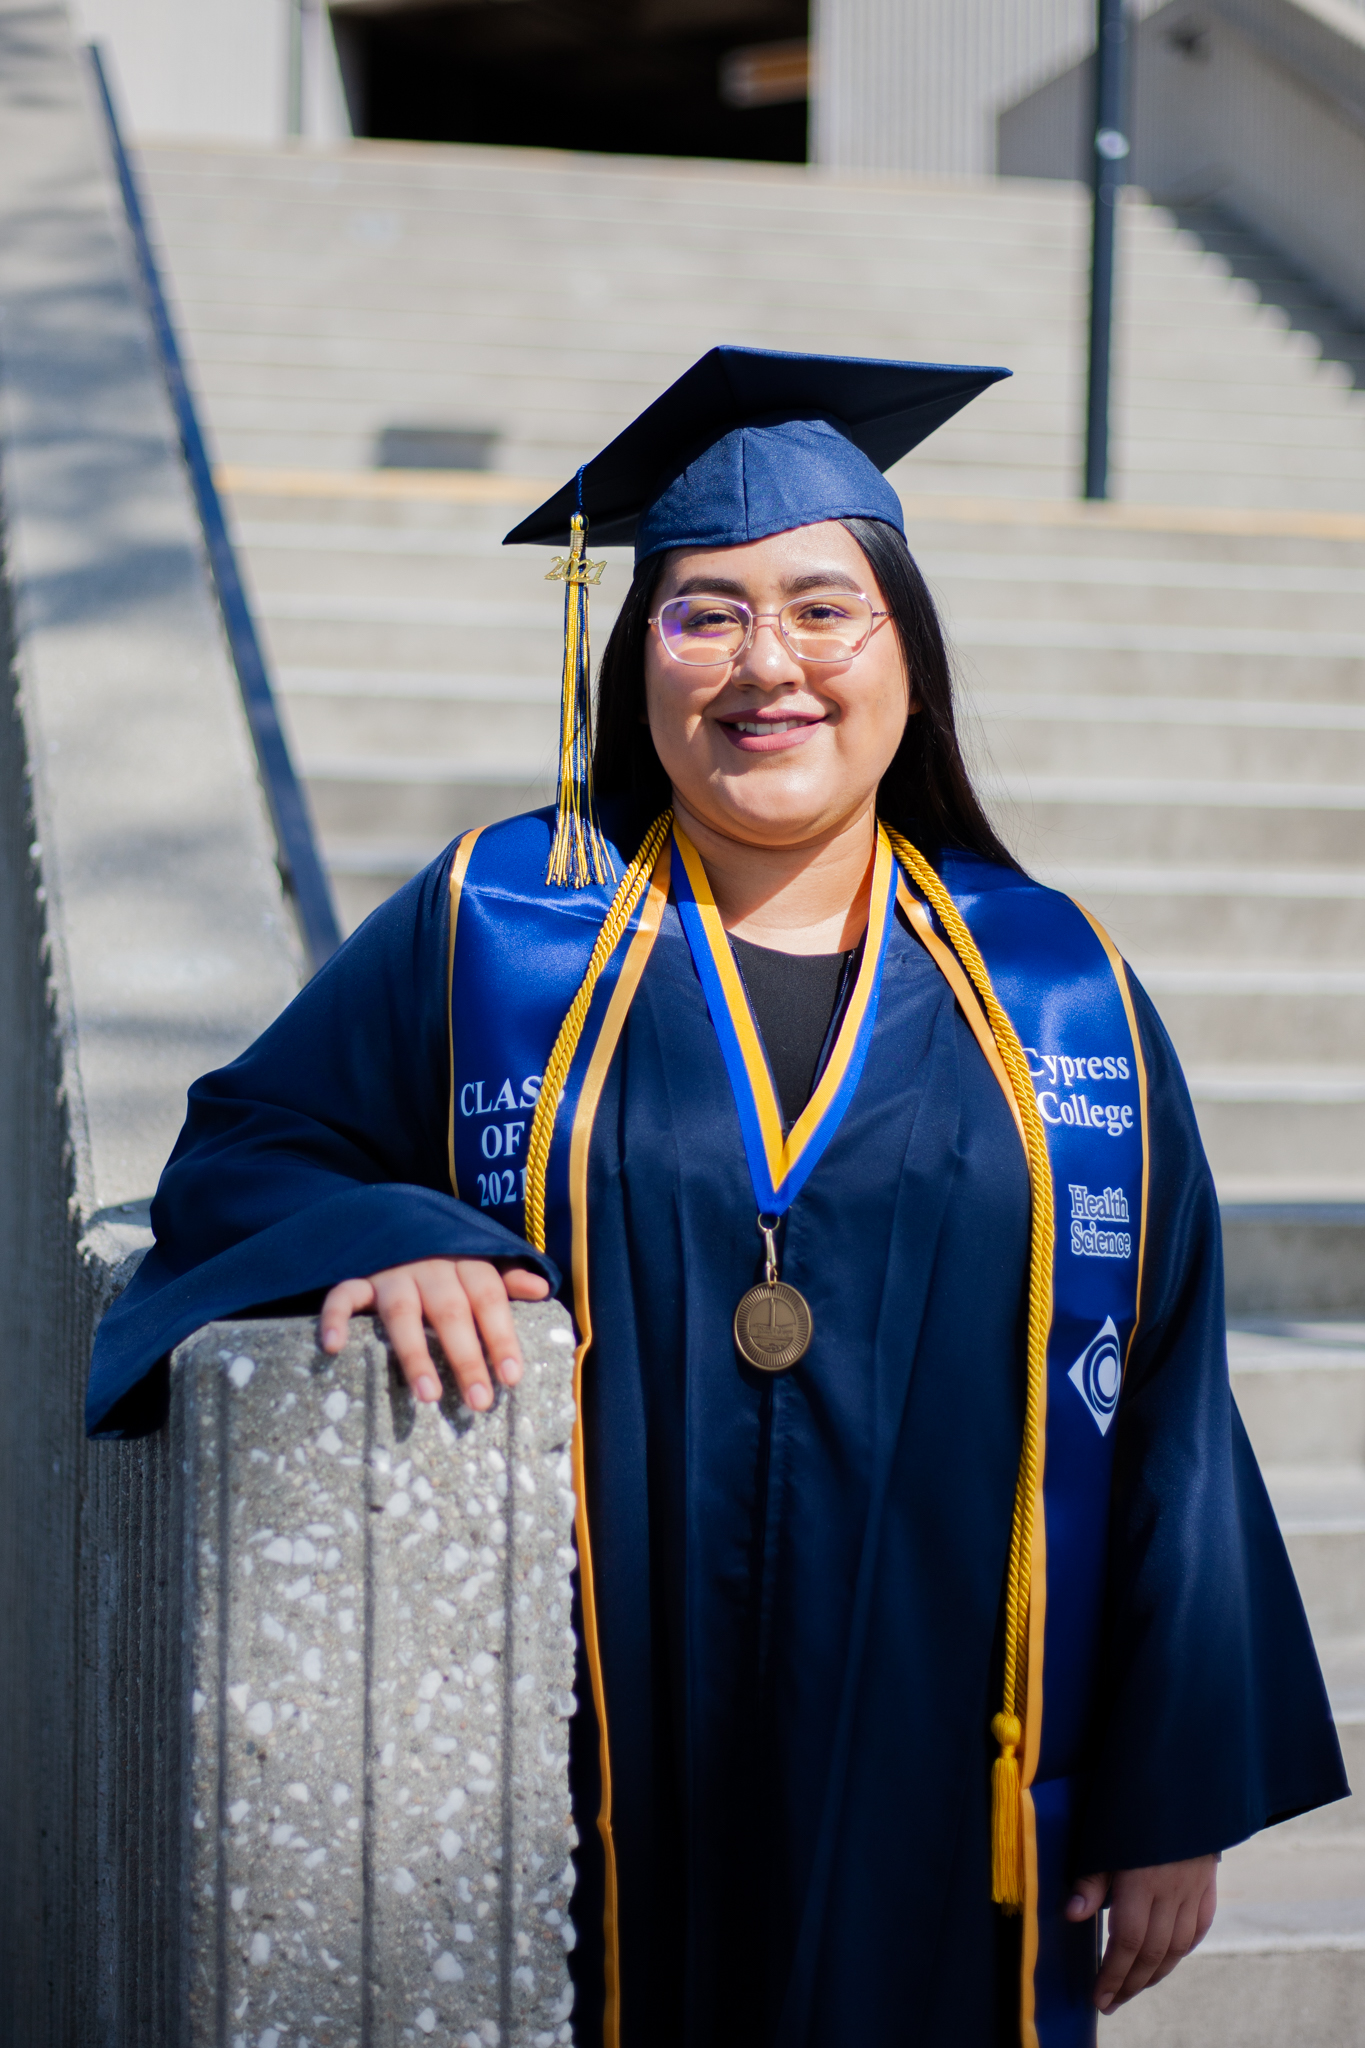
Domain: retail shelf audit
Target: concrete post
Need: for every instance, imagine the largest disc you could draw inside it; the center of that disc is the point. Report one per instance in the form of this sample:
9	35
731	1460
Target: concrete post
377	1669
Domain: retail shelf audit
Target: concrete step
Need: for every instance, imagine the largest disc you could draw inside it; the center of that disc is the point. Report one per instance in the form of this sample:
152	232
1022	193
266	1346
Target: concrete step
1040	739
1046	656
306	630
1257	1992
1321	1510
1294	916
1139	538
454	738
1300	1387
1056	819
1211	601
1256	1015
1018	575
1264	1148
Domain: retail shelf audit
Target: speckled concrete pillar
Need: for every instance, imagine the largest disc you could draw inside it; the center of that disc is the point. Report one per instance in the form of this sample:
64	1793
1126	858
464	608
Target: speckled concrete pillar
381	1671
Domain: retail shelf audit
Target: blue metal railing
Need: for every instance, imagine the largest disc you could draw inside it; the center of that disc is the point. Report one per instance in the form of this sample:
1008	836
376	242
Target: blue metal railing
301	868
1109	148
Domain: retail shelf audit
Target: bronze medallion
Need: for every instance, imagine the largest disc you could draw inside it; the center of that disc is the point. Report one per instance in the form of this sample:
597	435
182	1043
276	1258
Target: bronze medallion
772	1326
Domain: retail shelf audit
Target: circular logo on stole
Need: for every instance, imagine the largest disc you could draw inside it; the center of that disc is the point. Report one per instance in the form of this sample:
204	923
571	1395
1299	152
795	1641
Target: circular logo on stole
772	1326
1097	1375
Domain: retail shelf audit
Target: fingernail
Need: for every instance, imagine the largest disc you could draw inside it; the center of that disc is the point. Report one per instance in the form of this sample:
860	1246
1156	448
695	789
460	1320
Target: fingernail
330	1340
428	1390
479	1396
1075	1904
510	1371
1105	2000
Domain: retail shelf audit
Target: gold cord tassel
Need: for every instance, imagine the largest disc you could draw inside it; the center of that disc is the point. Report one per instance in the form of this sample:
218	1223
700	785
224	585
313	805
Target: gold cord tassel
1007	1844
578	854
1007	1728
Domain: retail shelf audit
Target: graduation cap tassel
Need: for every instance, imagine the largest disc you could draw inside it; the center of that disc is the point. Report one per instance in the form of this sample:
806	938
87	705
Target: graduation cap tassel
1008	1861
578	854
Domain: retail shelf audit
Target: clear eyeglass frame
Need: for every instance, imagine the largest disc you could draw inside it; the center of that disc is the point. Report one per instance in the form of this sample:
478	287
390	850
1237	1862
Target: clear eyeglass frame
814	644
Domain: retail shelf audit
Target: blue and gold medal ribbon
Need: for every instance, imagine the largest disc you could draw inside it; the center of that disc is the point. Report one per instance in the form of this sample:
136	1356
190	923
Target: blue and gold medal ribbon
780	1167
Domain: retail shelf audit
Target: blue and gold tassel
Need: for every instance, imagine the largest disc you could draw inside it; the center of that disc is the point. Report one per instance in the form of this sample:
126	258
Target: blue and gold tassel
579	854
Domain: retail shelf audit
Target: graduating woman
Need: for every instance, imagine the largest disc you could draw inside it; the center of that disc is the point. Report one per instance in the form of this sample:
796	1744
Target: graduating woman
929	1592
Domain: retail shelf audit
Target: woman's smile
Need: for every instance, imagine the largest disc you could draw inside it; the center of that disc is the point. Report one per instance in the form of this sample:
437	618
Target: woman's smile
769	732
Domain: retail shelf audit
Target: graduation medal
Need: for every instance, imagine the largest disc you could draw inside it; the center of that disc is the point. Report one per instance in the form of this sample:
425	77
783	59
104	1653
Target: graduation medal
773	1322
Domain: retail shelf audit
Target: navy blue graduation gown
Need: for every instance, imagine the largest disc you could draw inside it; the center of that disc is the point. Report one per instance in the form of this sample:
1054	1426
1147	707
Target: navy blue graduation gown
800	1580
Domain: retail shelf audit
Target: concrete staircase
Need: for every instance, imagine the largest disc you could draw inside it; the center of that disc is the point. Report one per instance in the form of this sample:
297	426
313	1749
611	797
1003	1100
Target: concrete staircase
1165	698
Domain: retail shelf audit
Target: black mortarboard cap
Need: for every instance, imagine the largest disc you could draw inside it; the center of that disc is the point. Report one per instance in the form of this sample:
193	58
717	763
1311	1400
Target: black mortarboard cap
754	441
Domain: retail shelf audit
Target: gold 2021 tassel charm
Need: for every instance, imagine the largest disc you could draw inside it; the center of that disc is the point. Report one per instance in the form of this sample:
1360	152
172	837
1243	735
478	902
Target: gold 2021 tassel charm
579	854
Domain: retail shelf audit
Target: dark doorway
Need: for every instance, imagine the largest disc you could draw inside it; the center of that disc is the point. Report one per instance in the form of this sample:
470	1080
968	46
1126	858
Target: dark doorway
716	78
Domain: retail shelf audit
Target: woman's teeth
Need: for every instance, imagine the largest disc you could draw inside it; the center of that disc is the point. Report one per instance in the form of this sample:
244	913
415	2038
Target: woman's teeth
759	726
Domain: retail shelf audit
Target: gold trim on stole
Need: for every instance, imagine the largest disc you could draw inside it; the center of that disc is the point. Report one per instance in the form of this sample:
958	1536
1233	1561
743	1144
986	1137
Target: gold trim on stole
1119	968
459	867
641	945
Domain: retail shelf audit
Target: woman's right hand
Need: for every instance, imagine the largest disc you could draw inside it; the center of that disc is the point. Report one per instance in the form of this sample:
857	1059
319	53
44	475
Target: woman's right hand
465	1301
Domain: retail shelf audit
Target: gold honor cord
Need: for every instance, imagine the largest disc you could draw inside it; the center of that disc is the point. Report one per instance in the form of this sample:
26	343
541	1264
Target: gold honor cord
633	885
1007	1727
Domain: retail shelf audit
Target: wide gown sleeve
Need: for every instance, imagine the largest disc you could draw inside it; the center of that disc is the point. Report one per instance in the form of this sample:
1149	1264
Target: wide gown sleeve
318	1156
1212	1720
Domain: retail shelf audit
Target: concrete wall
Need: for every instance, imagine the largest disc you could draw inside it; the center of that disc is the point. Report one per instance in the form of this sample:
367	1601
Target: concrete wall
1255	105
145	938
225	70
916	85
1265	114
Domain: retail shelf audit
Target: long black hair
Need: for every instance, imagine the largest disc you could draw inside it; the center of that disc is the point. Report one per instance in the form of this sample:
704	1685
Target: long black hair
926	792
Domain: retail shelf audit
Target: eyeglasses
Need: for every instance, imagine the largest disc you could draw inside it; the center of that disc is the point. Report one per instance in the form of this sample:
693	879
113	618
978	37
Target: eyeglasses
825	625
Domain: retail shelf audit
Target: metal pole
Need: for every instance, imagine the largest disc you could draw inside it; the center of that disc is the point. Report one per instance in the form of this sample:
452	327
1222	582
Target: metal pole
1110	148
294	107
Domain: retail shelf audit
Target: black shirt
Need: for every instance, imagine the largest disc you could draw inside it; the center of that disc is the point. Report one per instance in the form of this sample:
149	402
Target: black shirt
796	1000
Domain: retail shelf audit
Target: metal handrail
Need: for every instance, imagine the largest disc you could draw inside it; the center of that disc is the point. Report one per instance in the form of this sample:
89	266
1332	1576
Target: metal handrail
1107	177
301	868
